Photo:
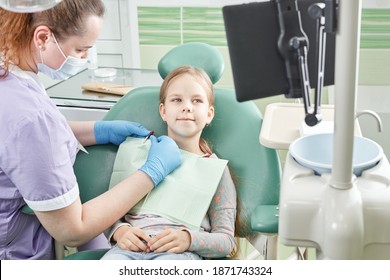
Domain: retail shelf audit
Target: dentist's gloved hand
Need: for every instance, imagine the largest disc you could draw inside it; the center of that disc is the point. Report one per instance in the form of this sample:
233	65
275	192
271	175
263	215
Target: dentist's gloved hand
164	157
115	132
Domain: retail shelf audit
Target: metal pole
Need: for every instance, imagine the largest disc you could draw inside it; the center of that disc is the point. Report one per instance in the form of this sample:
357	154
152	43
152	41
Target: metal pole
346	77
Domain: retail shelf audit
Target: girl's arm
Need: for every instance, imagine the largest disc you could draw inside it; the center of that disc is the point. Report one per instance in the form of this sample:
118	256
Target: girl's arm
222	213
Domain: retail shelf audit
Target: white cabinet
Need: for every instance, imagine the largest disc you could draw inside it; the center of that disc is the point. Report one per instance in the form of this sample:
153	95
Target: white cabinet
116	47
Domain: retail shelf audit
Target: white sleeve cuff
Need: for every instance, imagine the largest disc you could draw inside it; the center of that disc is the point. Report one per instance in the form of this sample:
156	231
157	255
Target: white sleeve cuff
55	203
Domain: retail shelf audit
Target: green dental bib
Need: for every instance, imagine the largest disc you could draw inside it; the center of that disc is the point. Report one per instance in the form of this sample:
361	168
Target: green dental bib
184	196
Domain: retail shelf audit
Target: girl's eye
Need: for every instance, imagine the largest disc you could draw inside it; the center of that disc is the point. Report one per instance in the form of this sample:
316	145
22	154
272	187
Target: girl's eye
198	101
176	100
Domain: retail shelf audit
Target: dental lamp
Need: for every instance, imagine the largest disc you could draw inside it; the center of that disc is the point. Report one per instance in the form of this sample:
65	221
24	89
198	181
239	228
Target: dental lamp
341	214
28	6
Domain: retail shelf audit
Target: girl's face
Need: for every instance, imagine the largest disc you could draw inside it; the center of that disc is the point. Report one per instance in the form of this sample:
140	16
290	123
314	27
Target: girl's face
76	46
186	109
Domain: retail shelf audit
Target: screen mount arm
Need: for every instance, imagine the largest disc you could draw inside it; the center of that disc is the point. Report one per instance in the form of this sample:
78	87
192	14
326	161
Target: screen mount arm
293	46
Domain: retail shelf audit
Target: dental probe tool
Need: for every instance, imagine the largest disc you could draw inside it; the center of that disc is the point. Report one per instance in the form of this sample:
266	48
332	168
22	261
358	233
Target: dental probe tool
147	137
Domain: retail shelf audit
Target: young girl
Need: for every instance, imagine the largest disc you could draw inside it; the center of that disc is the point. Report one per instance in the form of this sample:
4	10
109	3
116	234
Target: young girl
186	105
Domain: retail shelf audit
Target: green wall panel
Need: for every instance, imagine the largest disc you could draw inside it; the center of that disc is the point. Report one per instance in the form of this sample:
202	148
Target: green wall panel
172	26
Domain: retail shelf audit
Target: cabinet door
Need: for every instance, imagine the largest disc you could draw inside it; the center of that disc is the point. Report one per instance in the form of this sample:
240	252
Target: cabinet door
115	47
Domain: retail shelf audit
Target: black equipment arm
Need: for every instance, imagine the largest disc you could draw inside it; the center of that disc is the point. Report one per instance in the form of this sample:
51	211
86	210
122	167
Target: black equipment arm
293	46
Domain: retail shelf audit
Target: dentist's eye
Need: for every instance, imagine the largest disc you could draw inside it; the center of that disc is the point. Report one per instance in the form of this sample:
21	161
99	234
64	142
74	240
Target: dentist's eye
82	50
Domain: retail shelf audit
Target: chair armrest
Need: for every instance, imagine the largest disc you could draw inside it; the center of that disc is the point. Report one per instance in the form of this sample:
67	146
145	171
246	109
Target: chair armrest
27	210
265	219
87	255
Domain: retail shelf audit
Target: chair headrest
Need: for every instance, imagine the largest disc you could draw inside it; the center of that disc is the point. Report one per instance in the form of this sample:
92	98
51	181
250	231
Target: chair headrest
199	55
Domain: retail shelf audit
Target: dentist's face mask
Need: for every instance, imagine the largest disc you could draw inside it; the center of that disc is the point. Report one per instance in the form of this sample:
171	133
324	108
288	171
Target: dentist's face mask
71	66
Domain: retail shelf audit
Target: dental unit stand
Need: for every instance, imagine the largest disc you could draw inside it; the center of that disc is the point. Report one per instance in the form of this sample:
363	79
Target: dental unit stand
339	214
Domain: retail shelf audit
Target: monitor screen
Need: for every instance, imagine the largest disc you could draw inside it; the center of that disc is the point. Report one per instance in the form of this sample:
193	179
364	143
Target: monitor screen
252	32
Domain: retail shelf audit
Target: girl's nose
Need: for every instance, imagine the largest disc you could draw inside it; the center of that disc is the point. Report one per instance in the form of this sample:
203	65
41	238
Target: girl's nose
186	109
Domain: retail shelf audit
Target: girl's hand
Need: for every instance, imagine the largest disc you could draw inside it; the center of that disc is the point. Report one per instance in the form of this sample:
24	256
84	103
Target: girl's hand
132	239
170	240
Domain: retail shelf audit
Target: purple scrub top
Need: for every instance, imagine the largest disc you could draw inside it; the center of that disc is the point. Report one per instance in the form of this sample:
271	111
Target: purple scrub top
37	152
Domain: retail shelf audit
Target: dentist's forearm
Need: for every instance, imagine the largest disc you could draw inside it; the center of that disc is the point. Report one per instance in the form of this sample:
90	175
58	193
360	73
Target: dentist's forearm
84	132
82	222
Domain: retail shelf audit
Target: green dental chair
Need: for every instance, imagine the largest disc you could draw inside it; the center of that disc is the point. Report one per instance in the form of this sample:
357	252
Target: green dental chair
233	134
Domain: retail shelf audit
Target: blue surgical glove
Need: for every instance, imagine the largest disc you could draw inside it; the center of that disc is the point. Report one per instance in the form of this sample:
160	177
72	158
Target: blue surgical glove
116	132
164	157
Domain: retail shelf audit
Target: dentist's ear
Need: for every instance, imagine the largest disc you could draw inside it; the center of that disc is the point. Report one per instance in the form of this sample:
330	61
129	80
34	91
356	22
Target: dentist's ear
41	36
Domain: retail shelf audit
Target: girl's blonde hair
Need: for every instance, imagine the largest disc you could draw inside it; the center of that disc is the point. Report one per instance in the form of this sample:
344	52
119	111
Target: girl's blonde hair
203	78
65	19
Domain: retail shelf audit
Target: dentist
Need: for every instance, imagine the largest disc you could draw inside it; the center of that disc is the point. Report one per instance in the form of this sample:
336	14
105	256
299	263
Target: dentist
38	146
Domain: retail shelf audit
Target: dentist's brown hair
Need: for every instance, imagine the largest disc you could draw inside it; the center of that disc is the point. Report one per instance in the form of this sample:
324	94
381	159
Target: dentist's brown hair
65	19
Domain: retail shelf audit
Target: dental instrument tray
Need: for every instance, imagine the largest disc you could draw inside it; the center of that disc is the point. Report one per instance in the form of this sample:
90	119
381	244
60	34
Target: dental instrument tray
107	88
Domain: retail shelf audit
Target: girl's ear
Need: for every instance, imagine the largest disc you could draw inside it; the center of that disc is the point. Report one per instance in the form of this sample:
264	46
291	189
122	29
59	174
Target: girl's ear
210	115
162	111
